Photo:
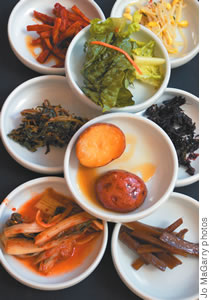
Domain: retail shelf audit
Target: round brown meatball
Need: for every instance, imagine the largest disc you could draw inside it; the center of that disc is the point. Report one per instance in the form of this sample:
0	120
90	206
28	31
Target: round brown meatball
120	190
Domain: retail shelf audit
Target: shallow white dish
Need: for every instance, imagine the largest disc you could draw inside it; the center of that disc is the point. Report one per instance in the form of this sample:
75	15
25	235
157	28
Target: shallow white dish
143	94
149	282
152	146
16	199
191	108
190	13
31	94
22	15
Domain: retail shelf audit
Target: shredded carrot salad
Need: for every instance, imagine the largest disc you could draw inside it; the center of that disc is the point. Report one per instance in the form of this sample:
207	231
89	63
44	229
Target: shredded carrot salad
164	18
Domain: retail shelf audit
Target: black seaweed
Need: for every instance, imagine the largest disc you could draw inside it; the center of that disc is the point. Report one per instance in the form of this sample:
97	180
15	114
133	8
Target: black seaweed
15	219
179	127
59	210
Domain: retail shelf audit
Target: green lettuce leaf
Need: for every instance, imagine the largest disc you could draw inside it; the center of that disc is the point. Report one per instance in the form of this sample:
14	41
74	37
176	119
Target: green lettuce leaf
107	72
151	74
132	27
145	50
151	67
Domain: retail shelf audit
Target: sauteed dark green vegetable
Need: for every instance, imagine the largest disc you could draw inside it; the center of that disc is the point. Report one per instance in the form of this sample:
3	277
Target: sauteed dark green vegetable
46	125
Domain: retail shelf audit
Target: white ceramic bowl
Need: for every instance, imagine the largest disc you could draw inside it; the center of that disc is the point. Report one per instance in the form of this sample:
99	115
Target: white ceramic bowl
16	199
146	143
149	282
143	94
31	94
22	15
190	13
191	108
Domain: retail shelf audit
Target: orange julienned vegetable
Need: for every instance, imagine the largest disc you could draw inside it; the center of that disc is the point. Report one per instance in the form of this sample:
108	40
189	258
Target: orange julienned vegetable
56	32
43	17
40	222
76	10
43	56
56	219
119	50
39	27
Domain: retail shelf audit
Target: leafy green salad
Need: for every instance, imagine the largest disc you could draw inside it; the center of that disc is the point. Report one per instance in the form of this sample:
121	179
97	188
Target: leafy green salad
107	72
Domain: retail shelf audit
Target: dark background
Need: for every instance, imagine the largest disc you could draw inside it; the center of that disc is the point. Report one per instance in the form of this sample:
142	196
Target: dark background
104	282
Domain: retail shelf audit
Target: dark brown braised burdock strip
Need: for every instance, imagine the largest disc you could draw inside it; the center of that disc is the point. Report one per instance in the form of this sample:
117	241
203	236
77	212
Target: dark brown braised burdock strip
182	233
158	242
138	263
174	225
147	257
138	226
155	231
175	242
128	240
170	260
148	248
154	260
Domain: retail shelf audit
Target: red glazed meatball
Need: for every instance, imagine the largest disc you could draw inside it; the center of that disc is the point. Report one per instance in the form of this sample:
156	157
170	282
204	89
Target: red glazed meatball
120	191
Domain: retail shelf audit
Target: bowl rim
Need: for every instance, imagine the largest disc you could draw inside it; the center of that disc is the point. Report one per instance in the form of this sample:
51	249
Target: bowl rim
120	217
115	259
179	61
28	165
51	286
130	108
42	69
